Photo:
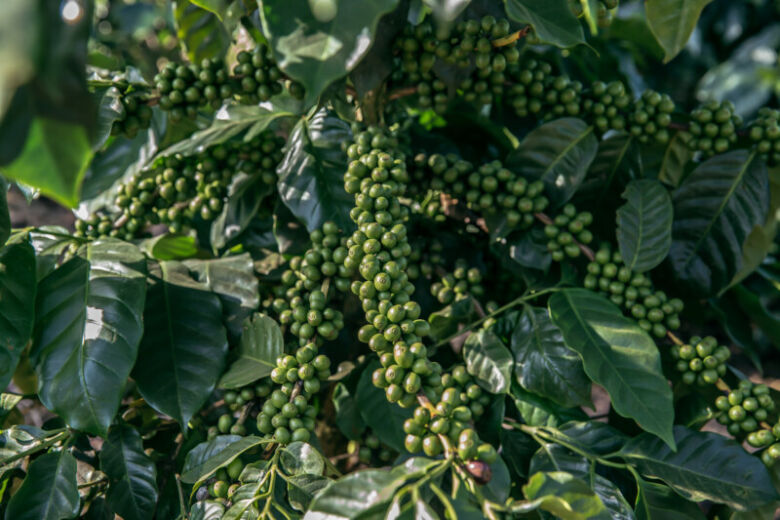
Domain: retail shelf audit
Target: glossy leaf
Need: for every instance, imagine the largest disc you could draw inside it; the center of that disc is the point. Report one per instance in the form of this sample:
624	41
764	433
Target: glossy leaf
644	225
49	491
132	489
552	20
445	322
672	22
489	361
88	327
659	501
170	247
544	364
564	495
357	494
17	305
617	162
301	489
672	167
317	43
706	466
554	457
54	159
559	153
207	457
595	438
384	418
207	510
538	411
300	458
232	278
228	123
200	31
183	349
311	174
619	356
261	343
245	195
715	209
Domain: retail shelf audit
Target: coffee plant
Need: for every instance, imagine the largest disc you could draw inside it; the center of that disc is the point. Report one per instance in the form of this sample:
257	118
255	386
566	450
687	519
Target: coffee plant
340	259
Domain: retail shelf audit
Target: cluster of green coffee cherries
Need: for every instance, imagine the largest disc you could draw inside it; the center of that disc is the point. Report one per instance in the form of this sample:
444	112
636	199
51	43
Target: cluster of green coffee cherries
771	454
607	105
567	231
744	409
713	128
259	78
489	189
224	483
460	402
701	360
468	43
765	133
179	189
654	312
651	117
136	114
380	248
424	259
303	304
287	412
370	450
461	283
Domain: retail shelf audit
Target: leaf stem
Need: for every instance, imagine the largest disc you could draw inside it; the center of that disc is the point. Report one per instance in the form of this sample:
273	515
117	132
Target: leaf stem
496	312
61	434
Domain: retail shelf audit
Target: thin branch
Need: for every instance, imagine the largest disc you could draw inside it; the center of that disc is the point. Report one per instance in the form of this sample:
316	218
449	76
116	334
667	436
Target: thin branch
511	38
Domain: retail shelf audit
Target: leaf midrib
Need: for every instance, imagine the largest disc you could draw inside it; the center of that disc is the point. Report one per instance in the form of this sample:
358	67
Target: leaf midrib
720	210
566	150
589	333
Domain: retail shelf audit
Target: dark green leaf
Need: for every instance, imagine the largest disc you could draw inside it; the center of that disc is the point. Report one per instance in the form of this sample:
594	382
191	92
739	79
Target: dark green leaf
706	466
672	22
207	510
564	495
232	279
644	225
291	236
557	458
672	167
261	343
595	438
347	413
54	160
355	495
530	250
300	458
170	247
619	356
384	418
715	209
200	31
517	449
317	43
49	243
552	20
301	489
544	364
132	490
311	175
49	492
617	162
207	457
89	324
489	361
184	345
228	123
538	411
445	322
559	153
245	194
658	501
17	305
8	403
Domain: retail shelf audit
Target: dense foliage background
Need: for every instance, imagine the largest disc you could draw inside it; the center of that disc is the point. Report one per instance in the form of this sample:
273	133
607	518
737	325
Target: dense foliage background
390	259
